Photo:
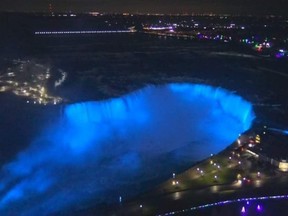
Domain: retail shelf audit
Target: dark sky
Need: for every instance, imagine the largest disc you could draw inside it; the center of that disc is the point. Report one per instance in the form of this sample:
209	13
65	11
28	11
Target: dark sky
152	6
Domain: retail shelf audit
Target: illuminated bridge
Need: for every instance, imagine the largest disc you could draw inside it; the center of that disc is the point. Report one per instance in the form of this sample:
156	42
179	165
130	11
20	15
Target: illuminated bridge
83	32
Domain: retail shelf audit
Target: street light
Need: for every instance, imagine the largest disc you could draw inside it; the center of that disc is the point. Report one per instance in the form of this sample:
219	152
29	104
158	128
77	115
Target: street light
175	182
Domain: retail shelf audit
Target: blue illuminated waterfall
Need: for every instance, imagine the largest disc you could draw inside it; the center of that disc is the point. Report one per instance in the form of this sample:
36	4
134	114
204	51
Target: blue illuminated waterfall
97	149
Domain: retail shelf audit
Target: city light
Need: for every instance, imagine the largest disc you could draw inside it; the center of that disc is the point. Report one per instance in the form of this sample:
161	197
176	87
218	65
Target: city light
29	80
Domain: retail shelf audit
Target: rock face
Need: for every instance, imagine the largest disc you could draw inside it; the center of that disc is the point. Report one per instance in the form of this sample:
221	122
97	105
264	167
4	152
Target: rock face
100	150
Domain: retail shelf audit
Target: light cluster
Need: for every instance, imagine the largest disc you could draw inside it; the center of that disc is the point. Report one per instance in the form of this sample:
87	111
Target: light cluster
28	79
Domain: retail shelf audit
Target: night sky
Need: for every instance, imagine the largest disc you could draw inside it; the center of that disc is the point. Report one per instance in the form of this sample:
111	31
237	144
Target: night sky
277	7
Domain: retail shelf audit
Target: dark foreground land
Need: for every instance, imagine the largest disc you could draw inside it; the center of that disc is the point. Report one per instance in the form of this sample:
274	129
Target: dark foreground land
198	186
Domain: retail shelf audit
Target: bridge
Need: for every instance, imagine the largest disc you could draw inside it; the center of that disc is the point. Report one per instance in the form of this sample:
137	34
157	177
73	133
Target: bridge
83	32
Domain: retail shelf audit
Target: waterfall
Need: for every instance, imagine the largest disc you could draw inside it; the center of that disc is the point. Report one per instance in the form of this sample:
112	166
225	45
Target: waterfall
98	148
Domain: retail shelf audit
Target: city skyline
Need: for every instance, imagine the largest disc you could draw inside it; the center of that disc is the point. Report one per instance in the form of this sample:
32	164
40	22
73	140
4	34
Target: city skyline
276	7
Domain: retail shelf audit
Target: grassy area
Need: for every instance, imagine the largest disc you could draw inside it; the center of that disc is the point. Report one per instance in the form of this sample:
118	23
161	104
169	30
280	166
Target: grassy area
218	169
201	187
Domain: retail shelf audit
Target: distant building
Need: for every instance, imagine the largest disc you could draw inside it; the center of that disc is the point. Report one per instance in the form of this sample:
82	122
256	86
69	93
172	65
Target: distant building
271	146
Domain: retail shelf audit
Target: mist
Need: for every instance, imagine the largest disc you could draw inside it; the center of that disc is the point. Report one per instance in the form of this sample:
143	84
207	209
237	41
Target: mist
97	151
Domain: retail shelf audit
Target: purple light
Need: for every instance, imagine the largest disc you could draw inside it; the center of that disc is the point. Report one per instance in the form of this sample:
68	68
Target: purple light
247	203
200	36
279	55
220	203
243	210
